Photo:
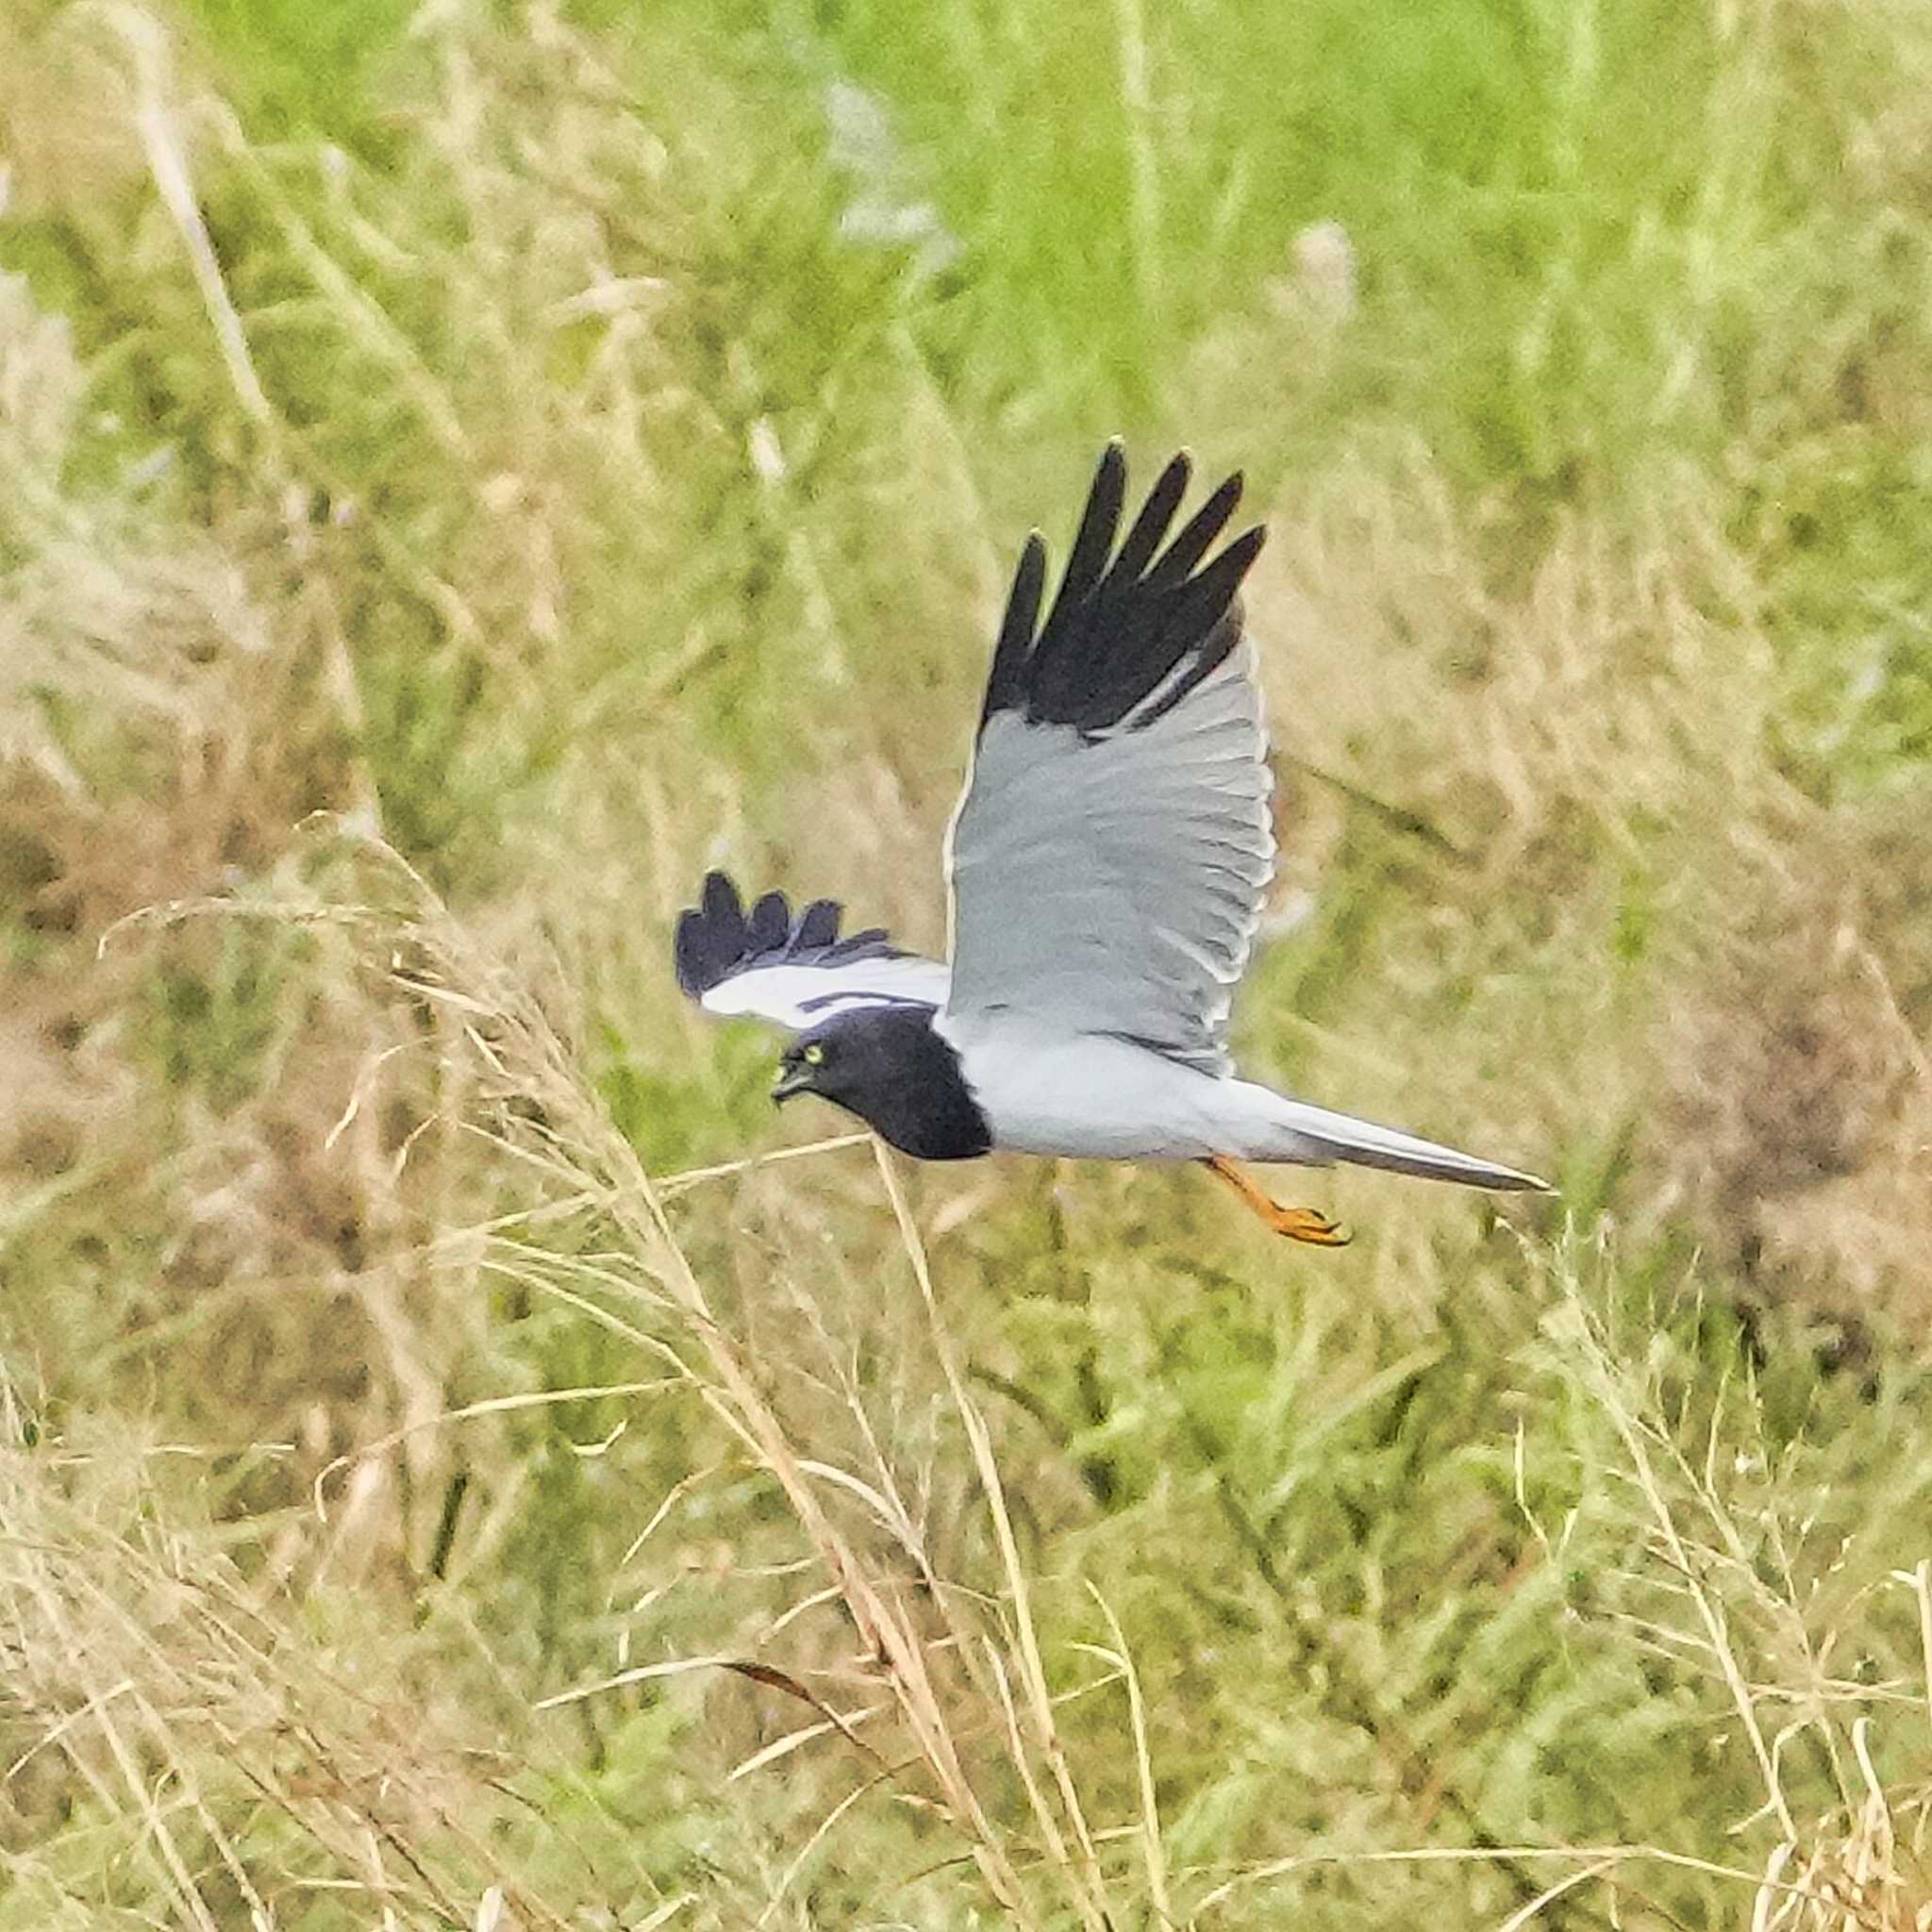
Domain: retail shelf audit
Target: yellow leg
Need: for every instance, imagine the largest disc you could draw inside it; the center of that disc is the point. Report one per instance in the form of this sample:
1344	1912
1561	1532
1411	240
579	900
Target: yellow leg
1297	1223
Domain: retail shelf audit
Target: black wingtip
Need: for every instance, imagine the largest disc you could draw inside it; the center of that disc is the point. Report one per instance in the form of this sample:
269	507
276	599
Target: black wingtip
1006	681
1150	526
1092	541
1197	537
1121	631
716	939
712	936
818	925
770	923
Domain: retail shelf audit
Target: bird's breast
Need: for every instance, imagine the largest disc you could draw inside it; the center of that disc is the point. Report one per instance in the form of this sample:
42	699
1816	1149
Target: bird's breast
1085	1095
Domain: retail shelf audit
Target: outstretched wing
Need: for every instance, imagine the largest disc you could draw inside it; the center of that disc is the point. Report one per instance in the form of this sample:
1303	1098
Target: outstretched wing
1109	858
796	972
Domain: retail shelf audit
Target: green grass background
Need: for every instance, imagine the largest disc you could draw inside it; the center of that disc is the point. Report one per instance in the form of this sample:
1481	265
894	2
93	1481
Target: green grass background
463	470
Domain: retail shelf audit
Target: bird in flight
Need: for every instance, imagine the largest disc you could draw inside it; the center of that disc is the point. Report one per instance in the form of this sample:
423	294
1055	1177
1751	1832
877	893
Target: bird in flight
1108	864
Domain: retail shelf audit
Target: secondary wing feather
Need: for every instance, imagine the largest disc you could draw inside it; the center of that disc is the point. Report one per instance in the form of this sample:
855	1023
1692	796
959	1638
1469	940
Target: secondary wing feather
1109	858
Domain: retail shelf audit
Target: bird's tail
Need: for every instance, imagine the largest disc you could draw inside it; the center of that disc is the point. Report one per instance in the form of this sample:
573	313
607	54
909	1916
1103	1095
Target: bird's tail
1319	1135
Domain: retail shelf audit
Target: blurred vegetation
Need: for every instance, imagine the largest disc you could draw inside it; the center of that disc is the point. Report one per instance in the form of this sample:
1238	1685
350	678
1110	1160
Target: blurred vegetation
467	469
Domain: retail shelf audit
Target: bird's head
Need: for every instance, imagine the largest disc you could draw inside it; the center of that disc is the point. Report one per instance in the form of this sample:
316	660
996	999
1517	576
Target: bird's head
806	1063
844	1059
887	1065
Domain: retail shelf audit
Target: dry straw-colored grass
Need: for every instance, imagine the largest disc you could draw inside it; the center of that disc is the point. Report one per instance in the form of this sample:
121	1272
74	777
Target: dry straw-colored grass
138	1664
931	1683
1736	1573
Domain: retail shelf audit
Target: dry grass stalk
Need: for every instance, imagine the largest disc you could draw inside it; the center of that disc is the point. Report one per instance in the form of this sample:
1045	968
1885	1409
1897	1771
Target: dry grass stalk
574	1149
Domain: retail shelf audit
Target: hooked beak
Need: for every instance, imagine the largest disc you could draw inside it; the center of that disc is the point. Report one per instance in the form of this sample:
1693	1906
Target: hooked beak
793	1079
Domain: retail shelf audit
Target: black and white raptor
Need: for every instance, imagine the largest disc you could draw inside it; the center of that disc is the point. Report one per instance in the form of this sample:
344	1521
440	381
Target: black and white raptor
1107	864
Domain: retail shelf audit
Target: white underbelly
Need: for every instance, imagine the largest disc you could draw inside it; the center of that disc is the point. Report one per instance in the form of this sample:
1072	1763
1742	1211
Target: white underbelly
1090	1095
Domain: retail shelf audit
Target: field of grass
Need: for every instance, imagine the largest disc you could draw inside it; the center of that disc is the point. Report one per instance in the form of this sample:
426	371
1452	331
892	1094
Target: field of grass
466	468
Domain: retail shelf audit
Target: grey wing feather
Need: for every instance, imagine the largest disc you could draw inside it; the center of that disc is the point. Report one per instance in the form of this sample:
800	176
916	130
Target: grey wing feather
1107	869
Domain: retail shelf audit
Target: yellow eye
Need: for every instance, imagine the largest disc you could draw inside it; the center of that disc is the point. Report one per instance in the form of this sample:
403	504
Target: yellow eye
814	1055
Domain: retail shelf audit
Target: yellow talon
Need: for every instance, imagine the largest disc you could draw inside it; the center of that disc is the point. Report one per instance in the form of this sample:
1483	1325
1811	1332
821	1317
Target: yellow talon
1297	1223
